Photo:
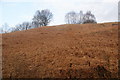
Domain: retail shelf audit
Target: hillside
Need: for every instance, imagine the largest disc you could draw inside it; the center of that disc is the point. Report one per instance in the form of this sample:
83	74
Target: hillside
63	51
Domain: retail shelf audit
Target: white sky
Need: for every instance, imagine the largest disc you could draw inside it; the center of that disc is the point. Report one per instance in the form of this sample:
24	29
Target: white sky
14	12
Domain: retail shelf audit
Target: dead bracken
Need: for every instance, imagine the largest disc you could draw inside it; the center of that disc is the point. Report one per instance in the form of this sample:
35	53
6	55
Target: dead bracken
66	51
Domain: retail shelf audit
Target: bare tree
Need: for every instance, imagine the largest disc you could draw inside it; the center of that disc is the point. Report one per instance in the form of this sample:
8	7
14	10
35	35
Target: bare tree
20	27
36	20
26	25
42	18
89	18
80	18
71	17
5	28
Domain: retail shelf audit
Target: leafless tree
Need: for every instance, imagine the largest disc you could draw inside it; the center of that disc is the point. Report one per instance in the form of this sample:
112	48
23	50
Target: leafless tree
42	18
71	17
5	28
20	27
26	25
89	18
79	18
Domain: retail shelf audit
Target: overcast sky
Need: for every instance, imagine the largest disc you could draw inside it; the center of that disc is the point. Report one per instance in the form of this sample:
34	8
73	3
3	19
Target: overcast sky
14	12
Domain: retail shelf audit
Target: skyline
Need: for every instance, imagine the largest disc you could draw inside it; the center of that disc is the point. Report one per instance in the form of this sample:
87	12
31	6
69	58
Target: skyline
15	12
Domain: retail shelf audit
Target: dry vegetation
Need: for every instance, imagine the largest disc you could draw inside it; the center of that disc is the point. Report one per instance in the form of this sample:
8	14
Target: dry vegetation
64	51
